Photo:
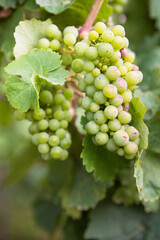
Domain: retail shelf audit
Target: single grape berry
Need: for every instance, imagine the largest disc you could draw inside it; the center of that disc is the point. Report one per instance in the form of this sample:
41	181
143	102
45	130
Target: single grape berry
92	128
85	102
111	112
54	124
110	91
43	43
71	29
45	97
105	50
104	128
53	141
94	107
99	117
93	35
101	138
69	39
113	73
120	138
77	65
101	81
43	137
124	117
111	146
114	125
131	148
42	124
56	152
39	115
99	97
65	143
107	36
91	53
43	148
116	101
127	96
80	48
121	85
100	27
118	30
132	133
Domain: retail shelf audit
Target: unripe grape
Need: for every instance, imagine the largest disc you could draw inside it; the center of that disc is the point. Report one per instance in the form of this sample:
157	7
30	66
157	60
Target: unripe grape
130	57
85	102
120	138
35	139
107	36
33	128
96	72
94	107
120	152
114	125
55	45
89	116
100	81
53	141
129	156
116	56
110	112
118	8
52	31
89	78
100	27
131	148
90	90
82	85
93	35
64	155
39	115
29	116
64	124
113	73
92	128
101	138
80	48
45	157
69	39
72	30
132	78
54	124
58	114
116	101
117	42
105	50
79	76
67	116
66	105
65	143
104	128
48	111
43	148
42	124
128	65
43	43
77	65
99	117
20	115
137	141
121	85
124	117
88	66
110	91
126	42
127	96
43	137
91	53
123	70
66	59
60	133
140	74
104	68
45	97
58	98
56	152
132	133
118	30
111	146
99	97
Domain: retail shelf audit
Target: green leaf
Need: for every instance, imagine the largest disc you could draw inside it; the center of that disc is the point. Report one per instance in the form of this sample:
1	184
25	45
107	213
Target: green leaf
5	112
9	3
79	114
154	11
137	110
55	6
27	34
154	136
97	159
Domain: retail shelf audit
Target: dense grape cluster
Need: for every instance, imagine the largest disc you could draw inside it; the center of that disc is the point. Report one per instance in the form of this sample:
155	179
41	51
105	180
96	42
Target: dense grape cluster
118	5
108	79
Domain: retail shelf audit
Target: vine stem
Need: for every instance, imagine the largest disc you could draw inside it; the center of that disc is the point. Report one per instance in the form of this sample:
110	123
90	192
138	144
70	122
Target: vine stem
84	30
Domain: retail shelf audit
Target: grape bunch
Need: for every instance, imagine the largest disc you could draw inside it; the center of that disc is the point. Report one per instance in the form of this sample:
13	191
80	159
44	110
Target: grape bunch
108	78
118	5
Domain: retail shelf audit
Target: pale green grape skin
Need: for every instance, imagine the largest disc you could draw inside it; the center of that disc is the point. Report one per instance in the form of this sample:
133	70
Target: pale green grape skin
100	81
90	91
104	128
99	98
48	111
121	85
118	30
88	66
85	102
101	138
127	96
43	137
39	115
118	8
69	39
64	155
140	74
105	50
45	157
80	48
114	125
79	76
99	117
123	70
66	105
65	143
130	57
110	91
131	148
29	116
68	93
67	116
100	27
129	156
107	36
137	141
58	98
77	65
120	152
91	53
132	133
59	114
116	56
120	138
61	133
124	117
45	97
128	65
132	78
117	43
66	59
43	43
56	152
96	72
33	128
54	124
119	63
94	107
55	45
113	73
35	139
93	35
89	78
53	141
52	31
126	42
64	124
116	101
110	112
72	30
104	68
42	124
89	115
82	85
111	146
43	148
20	115
92	128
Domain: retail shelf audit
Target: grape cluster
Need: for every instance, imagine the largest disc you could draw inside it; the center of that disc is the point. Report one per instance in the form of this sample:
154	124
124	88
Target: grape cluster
118	5
108	78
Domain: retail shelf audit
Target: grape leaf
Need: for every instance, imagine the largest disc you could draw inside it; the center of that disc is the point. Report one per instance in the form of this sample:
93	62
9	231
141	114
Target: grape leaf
154	139
10	3
154	11
137	110
55	6
27	34
104	163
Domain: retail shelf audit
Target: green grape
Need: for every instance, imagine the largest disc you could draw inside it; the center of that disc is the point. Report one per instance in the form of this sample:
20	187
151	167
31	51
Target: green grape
82	85
89	116
94	107
111	146
66	59
43	43
79	76
105	50
61	133
93	35
43	137
130	57
77	65
66	105
131	148
54	124
49	111
39	115
127	96
96	72
65	143
114	125
45	97
68	93
58	98
88	66
33	128
132	78
116	101
29	116
115	56
71	29
118	30
123	70
64	155
100	27
137	141
119	63
99	117
55	45
104	128
101	138
124	117
42	124
43	148
56	152
90	90
120	152
126	42
20	115
92	128
45	157
140	74
67	116
117	43
64	124
104	68
128	65
120	138
100	81
107	36
110	91
129	156
121	85
58	114
53	141
99	98
85	102
89	78
113	73
132	133
118	8
110	112
69	39
80	48
52	31
35	139
91	53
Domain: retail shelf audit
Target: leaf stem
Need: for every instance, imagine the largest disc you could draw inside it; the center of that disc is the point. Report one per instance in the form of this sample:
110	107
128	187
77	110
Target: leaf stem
84	30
